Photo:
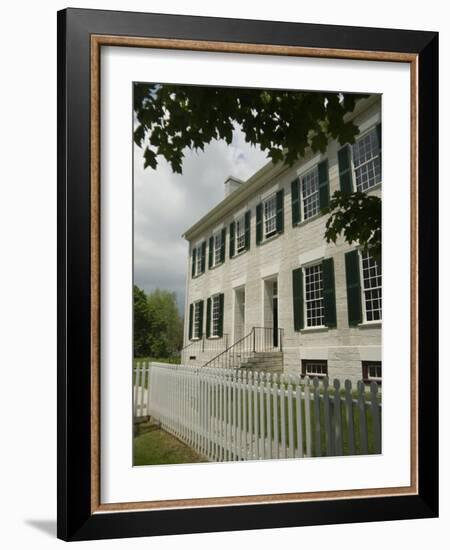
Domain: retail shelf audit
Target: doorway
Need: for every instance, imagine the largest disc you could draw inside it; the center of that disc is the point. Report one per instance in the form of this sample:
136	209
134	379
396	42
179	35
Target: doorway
239	314
271	312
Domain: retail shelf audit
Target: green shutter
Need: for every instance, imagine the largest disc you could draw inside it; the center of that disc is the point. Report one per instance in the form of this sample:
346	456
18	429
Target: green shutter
352	275
194	256
280	211
200	320
232	229
379	138
208	318
297	292
223	242
259	223
247	230
295	202
191	320
324	185
203	256
345	169
210	252
329	293
220	327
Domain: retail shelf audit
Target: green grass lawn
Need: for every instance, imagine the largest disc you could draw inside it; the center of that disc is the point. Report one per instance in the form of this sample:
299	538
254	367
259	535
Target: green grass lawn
171	360
155	446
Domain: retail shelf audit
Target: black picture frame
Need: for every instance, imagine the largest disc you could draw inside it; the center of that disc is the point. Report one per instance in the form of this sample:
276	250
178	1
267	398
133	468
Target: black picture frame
76	521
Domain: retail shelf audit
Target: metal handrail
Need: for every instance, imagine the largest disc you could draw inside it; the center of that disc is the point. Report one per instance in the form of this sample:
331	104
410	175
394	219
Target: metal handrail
258	340
212	344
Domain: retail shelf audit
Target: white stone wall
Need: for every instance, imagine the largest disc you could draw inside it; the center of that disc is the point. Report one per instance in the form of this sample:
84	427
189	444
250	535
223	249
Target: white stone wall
344	347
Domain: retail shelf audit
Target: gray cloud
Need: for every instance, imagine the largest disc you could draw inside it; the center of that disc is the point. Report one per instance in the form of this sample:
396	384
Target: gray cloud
166	204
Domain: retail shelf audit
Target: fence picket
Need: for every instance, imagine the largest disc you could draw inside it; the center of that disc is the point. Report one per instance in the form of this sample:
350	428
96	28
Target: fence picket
376	420
316	396
262	423
298	412
337	418
256	414
291	447
282	417
327	418
269	414
363	443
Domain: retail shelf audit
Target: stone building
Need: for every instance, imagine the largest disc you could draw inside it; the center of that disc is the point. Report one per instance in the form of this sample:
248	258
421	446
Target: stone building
265	290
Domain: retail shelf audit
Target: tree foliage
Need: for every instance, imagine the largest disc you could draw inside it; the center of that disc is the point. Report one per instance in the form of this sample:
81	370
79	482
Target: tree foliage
356	216
172	118
158	326
142	323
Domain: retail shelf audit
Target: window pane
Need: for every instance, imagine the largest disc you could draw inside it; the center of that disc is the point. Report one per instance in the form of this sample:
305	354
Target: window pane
314	296
240	235
371	287
217	247
215	316
373	370
310	194
314	368
366	161
196	320
198	260
270	216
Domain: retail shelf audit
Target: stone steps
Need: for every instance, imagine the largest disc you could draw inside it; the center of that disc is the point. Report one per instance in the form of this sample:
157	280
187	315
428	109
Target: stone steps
264	362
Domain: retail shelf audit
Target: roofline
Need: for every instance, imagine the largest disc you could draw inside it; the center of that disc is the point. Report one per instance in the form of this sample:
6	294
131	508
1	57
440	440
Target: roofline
260	178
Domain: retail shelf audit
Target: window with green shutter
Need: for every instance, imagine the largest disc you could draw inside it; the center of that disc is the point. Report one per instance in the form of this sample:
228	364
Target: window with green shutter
198	259
210	252
221	312
329	293
324	185
280	211
259	224
200	319
353	280
194	258
232	230
208	318
297	292
191	320
223	245
247	230
366	157
345	169
295	202
203	256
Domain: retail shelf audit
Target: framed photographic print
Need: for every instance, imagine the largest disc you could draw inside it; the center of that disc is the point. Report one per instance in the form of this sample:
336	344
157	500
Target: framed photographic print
247	274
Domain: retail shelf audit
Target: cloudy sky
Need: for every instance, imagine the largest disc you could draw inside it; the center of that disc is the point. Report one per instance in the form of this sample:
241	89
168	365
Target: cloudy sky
166	204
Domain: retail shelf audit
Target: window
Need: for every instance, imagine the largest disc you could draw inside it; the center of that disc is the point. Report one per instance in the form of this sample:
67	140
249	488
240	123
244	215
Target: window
367	161
215	315
314	307
270	216
198	259
371	371
314	368
310	193
217	240
197	328
240	235
371	276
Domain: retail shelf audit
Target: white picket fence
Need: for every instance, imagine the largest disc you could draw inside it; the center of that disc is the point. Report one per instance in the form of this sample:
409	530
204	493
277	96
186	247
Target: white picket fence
229	414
